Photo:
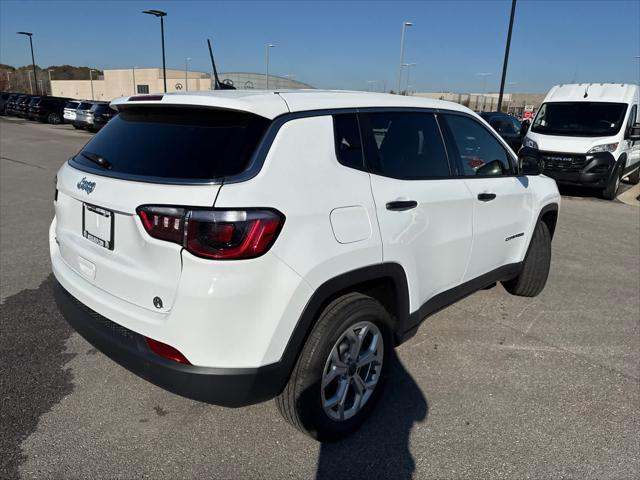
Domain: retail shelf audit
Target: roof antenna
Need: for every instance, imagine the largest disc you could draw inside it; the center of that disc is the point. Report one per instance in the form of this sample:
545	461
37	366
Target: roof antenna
217	85
586	91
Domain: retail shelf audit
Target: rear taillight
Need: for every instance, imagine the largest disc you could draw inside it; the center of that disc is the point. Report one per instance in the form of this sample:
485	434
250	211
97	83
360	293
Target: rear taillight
216	234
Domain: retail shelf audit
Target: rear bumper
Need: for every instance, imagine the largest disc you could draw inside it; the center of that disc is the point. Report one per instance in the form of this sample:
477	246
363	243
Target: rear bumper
229	387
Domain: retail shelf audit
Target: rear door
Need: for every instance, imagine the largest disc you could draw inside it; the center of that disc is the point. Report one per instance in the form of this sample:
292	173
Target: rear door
425	215
502	202
145	156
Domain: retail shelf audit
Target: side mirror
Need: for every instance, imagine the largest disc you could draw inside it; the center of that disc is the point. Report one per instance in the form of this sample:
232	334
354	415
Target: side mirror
493	168
634	133
524	126
529	165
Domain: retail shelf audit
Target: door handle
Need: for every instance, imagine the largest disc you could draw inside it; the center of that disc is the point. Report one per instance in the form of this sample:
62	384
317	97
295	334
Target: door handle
401	205
486	197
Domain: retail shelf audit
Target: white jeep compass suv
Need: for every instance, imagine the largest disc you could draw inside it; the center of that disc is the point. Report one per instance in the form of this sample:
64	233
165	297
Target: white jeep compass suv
233	247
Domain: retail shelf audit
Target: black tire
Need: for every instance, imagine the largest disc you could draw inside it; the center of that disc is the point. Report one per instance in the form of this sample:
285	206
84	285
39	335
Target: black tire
54	119
300	403
634	178
610	191
535	269
77	127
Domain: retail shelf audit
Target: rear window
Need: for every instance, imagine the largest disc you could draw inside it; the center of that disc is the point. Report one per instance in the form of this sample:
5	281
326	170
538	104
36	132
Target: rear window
85	106
99	107
175	143
72	105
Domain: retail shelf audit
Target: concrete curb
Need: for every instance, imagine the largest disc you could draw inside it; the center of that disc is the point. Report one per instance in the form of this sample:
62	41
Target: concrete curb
630	197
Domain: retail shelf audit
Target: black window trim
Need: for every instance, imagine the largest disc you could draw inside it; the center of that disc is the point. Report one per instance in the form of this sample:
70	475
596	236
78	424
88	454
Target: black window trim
255	164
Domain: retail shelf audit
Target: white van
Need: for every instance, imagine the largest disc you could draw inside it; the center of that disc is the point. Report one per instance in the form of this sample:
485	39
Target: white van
583	134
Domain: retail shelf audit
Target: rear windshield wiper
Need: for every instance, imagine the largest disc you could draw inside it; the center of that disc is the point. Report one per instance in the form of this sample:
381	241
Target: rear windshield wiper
95	158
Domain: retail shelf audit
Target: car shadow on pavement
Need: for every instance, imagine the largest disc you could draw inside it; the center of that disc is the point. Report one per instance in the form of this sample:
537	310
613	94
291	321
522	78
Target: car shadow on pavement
380	448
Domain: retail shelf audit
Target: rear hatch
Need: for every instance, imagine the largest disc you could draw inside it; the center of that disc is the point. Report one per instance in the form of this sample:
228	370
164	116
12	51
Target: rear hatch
167	156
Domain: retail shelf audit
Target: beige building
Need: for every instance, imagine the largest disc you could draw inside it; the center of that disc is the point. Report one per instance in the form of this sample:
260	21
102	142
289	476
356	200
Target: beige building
129	81
132	81
488	102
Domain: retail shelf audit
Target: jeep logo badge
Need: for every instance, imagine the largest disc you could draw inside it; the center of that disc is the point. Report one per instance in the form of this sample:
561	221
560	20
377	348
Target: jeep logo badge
86	185
157	302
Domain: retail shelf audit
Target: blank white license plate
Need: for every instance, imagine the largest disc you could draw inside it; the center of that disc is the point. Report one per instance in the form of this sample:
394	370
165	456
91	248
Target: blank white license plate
97	225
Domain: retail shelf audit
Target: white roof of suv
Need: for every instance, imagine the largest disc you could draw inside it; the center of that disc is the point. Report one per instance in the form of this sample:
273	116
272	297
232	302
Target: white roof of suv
270	104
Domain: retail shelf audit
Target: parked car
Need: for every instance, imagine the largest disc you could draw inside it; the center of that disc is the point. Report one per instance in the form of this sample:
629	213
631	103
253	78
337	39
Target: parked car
508	127
233	247
587	134
48	109
4	98
84	116
69	114
12	102
102	113
22	107
14	107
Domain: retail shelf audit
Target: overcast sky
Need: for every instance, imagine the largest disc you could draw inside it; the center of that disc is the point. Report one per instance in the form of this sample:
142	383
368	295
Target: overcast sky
341	44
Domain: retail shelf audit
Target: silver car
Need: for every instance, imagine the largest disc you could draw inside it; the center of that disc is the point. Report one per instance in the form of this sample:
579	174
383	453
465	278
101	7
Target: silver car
69	112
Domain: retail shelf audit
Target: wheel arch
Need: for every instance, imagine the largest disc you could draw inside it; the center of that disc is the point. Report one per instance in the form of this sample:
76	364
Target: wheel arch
549	215
386	282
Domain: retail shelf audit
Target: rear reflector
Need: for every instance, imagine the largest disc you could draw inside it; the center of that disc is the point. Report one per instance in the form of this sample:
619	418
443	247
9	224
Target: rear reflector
166	351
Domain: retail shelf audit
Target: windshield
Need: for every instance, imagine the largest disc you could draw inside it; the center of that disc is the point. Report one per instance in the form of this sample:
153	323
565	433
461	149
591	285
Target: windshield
579	119
176	143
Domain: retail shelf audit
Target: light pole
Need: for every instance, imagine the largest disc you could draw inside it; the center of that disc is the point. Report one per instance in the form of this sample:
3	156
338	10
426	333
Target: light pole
408	65
186	74
134	79
91	70
484	85
371	84
50	88
266	49
506	55
33	61
161	14
404	27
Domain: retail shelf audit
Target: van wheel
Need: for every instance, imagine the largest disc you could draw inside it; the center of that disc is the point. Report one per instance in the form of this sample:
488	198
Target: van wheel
340	373
634	178
53	119
609	193
535	269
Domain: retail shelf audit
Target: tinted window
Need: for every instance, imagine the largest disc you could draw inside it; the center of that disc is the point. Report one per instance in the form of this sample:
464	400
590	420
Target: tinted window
579	119
176	143
405	145
72	105
632	117
85	106
475	149
502	125
347	138
101	108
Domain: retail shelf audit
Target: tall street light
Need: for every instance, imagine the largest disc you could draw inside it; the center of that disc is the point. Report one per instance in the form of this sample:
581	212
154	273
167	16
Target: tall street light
33	61
91	70
506	54
408	65
266	49
186	73
404	27
161	14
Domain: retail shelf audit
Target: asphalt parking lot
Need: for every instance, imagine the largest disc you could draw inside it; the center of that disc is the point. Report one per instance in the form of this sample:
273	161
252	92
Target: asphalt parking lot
493	387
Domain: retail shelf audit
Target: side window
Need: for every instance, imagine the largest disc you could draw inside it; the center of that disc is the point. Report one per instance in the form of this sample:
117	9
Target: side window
347	137
476	150
632	117
405	145
502	125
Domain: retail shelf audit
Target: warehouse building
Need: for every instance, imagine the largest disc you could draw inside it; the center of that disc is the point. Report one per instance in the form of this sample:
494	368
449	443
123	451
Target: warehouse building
132	81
